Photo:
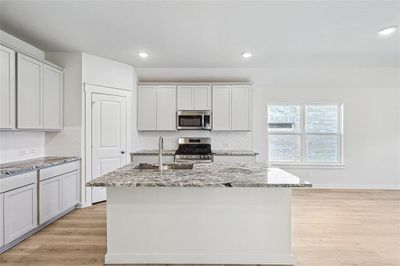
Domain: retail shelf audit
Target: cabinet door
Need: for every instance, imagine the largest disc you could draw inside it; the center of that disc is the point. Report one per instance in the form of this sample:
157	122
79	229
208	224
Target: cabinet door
70	189
240	107
147	108
221	108
202	98
49	199
166	108
1	219
185	98
20	212
29	75
7	88
52	97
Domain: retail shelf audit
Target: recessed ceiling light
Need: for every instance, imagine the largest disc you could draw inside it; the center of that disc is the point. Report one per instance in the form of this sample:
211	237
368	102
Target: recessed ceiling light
143	54
388	30
246	54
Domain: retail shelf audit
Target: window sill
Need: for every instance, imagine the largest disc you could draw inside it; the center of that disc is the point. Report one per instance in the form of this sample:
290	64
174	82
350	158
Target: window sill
308	166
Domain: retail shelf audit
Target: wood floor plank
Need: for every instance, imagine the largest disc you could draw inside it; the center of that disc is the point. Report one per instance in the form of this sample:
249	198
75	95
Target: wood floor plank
330	228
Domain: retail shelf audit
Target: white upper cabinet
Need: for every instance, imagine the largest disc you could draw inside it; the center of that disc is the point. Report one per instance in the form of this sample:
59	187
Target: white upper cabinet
221	113
52	98
185	98
7	88
29	82
232	107
156	108
202	98
241	104
147	108
194	97
166	108
39	97
230	104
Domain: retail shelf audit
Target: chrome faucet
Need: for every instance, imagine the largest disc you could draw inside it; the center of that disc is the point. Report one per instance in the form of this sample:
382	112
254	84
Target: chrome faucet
160	151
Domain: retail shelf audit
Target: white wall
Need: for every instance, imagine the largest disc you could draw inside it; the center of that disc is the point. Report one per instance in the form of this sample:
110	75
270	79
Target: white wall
371	100
68	141
105	72
21	145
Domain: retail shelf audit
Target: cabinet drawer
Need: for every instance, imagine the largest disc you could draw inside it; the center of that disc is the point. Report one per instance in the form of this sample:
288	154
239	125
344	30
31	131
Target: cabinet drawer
16	181
58	170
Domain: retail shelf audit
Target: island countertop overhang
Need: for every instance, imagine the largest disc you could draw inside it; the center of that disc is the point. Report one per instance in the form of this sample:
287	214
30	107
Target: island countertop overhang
202	175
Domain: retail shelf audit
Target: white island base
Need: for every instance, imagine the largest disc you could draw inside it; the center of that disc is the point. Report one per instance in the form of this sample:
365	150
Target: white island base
199	225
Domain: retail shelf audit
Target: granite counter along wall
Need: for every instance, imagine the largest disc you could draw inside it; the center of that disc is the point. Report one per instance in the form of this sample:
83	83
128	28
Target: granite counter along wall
220	140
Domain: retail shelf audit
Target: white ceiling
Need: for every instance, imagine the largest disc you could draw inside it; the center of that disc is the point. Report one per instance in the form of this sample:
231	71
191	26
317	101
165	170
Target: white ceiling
213	33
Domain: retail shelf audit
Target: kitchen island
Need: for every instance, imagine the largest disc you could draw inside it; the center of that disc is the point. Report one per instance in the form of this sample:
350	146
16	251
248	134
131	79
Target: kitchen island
215	213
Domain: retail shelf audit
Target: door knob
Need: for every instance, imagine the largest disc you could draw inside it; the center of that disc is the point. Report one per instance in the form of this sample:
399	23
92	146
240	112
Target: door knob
122	152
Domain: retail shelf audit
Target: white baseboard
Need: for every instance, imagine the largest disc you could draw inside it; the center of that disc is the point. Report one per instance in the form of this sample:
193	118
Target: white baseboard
85	204
356	186
185	259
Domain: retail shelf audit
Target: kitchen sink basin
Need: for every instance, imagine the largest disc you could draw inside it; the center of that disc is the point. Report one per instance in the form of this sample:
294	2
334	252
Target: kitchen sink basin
167	166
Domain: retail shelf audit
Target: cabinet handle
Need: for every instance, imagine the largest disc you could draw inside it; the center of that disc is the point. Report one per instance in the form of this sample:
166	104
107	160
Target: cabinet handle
122	152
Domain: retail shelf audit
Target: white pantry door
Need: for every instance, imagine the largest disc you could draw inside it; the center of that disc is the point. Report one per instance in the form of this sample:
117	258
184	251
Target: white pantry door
108	137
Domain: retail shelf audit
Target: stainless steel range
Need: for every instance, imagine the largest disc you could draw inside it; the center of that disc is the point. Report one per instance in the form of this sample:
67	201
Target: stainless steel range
194	150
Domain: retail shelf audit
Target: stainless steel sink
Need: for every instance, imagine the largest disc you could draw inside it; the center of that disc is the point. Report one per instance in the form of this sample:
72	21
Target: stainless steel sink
167	166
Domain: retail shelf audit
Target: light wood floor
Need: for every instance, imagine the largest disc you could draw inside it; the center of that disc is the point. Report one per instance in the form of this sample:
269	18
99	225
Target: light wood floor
331	228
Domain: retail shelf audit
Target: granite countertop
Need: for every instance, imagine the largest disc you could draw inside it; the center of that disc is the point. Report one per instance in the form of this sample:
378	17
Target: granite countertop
234	153
19	167
202	175
153	152
215	152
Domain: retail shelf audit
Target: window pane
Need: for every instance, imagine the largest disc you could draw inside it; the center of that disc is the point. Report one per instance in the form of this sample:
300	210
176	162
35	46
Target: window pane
284	118
321	118
321	148
284	148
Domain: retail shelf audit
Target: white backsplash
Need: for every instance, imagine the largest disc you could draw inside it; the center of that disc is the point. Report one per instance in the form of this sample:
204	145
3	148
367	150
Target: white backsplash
21	145
226	140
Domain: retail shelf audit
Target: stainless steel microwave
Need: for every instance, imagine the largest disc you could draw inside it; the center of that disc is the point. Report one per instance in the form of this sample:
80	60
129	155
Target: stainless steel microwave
194	120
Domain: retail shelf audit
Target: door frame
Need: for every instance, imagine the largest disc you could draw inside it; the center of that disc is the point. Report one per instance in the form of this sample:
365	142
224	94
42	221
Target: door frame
89	90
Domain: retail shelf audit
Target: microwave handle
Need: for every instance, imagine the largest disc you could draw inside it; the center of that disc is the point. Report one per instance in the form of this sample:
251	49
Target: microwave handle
202	121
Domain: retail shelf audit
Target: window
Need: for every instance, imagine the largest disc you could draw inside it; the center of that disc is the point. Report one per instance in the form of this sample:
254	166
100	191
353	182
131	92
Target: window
305	133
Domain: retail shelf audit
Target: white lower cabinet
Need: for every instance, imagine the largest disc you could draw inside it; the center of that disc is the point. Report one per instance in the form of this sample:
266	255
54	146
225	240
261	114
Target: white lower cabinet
70	190
49	199
20	212
59	191
36	197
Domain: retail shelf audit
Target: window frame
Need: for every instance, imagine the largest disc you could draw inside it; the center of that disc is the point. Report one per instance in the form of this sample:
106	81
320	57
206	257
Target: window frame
303	134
